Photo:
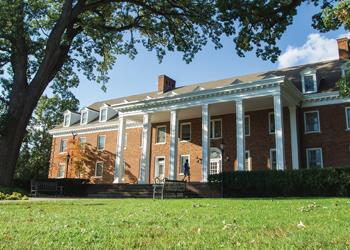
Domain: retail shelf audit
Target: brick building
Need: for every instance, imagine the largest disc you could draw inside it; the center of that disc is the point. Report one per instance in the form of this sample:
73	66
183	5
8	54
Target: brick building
283	119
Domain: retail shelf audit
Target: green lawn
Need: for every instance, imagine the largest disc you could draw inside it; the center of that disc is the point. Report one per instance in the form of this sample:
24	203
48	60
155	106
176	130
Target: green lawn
181	223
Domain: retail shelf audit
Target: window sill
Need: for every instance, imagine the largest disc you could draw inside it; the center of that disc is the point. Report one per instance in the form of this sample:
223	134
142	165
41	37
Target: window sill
185	140
97	177
160	143
310	92
216	138
312	132
62	153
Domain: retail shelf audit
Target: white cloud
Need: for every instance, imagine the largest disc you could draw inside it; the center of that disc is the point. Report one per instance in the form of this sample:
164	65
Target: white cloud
316	48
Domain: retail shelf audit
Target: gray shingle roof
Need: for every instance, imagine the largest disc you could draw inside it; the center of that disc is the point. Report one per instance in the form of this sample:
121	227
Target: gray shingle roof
328	73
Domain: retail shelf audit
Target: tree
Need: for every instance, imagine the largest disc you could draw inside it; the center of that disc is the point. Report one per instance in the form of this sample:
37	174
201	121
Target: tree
332	18
44	41
34	157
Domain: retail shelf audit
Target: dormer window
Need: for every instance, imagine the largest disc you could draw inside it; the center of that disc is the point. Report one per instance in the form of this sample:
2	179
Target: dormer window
344	69
309	81
84	117
103	115
66	120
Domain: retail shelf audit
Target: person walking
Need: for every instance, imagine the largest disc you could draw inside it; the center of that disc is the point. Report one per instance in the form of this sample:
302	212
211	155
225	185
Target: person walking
186	171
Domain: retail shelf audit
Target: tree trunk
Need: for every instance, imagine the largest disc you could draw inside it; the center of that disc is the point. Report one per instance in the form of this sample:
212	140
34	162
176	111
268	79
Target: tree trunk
12	137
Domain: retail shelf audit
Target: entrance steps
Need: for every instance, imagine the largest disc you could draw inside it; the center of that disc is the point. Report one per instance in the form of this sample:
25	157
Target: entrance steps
194	190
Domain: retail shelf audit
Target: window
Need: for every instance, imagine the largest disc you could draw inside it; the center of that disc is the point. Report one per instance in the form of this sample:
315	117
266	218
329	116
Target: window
314	158
344	69
309	81
347	117
247	166
63	145
271	123
183	159
82	142
66	120
101	140
273	161
312	122
247	125
84	116
141	138
61	169
160	167
309	84
126	141
103	115
185	131
99	169
215	129
161	133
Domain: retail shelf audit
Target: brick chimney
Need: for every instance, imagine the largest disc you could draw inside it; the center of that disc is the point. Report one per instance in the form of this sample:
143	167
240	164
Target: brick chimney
165	84
343	48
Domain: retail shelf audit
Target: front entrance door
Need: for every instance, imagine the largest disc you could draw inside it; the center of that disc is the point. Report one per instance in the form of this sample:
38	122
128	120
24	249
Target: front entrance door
160	167
215	166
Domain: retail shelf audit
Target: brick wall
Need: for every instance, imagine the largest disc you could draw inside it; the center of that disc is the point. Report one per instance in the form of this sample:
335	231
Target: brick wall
334	140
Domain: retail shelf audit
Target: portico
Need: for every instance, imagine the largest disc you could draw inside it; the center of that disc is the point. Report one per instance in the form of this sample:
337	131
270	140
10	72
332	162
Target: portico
236	100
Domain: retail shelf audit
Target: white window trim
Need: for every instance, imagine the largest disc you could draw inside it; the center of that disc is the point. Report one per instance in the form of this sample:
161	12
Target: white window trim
309	72
104	146
307	156
155	165
270	158
160	143
249	166
189	162
319	122
65	151
81	117
343	68
104	120
84	142
347	119
64	170
66	117
247	116
126	140
269	120
212	128
182	124
141	139
100	176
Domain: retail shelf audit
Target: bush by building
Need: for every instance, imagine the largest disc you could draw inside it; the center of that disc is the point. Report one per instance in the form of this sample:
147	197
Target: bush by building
303	182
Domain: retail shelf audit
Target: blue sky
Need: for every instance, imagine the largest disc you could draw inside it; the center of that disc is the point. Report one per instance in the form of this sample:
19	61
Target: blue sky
300	44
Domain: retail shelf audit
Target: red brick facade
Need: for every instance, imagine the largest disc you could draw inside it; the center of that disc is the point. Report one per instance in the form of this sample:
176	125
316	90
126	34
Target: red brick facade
334	140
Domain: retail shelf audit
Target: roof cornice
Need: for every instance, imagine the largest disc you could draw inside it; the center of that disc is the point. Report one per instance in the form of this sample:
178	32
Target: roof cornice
321	99
237	88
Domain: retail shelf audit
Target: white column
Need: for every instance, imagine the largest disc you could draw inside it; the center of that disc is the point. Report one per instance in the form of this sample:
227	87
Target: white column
146	144
278	113
174	127
240	134
294	137
119	162
205	141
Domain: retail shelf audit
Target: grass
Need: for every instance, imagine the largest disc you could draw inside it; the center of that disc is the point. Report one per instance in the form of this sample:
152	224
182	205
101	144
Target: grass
176	224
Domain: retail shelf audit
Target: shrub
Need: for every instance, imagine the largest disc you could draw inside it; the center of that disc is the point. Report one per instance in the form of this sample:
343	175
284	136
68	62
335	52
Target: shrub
303	182
13	196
